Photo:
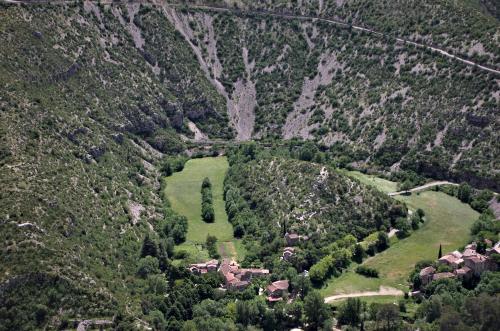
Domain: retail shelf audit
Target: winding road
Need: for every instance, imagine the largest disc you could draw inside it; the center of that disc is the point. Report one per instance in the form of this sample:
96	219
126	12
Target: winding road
423	187
383	291
284	16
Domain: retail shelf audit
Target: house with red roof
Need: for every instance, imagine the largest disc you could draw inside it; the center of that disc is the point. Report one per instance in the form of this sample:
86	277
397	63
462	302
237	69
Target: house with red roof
277	290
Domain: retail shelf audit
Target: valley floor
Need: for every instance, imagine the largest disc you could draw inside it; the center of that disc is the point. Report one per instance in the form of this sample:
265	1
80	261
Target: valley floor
183	191
447	223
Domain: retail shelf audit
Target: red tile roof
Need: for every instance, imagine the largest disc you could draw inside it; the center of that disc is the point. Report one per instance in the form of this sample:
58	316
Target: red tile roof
278	285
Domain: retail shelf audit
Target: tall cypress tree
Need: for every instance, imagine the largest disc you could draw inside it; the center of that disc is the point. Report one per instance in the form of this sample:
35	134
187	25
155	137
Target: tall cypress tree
440	251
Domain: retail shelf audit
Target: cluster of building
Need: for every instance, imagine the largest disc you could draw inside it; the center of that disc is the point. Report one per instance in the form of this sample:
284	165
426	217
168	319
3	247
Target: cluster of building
293	239
237	278
203	268
463	265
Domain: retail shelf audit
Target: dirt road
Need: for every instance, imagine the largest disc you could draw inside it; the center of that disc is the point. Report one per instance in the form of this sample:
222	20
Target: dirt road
423	187
382	291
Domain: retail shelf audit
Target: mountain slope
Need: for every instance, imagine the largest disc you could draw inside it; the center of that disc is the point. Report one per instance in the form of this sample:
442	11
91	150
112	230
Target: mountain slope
388	104
91	104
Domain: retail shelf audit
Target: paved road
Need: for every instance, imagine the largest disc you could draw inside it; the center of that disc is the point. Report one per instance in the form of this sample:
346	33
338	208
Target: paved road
423	187
290	16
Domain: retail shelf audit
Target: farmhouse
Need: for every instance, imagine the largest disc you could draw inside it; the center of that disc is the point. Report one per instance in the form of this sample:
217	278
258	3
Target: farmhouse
426	275
293	239
236	278
478	264
443	275
494	250
453	260
288	252
464	266
203	268
276	290
464	273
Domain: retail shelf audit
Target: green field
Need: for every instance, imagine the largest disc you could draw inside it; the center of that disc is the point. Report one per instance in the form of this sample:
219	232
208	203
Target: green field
382	184
183	191
373	299
448	223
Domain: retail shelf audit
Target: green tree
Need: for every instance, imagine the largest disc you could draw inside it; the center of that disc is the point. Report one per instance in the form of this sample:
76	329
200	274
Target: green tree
388	314
148	265
382	241
403	228
350	312
464	192
149	247
211	243
359	253
206	183
315	310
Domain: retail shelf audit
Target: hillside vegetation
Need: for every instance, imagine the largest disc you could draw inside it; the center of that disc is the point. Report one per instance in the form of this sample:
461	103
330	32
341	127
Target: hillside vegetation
97	100
309	199
375	101
88	111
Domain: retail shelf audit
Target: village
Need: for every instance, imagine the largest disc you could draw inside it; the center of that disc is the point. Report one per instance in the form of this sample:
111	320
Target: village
236	278
463	266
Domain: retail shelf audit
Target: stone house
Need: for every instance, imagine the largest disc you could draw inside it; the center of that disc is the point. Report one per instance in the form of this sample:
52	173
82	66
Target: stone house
426	275
276	290
288	252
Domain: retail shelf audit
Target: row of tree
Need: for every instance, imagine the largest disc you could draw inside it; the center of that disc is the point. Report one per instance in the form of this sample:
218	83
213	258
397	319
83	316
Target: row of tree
207	207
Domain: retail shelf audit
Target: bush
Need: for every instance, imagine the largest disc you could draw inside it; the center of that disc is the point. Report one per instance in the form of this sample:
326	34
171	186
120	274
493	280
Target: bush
367	271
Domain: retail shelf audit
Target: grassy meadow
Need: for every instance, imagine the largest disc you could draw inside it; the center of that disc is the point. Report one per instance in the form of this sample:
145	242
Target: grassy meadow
381	184
183	191
448	223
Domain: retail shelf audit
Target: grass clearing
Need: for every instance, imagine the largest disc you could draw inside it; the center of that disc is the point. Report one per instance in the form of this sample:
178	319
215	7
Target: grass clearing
374	299
448	222
381	184
183	191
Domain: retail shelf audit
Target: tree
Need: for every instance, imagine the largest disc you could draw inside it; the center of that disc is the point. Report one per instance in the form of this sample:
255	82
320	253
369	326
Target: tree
178	233
211	243
239	231
389	315
157	320
359	253
464	192
382	241
403	228
148	265
440	253
206	183
315	309
169	247
350	312
149	247
207	212
166	169
294	312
